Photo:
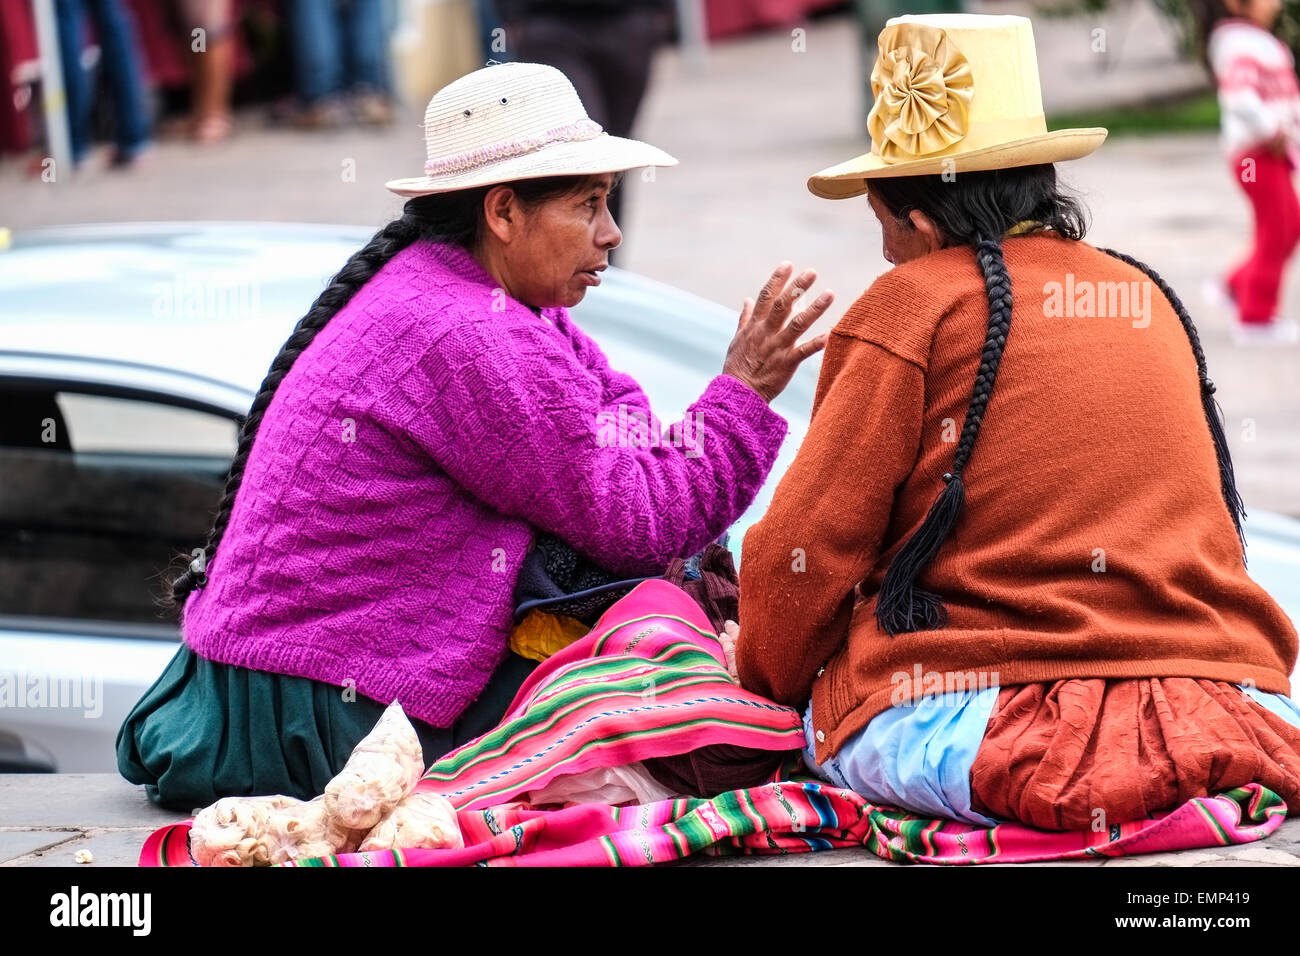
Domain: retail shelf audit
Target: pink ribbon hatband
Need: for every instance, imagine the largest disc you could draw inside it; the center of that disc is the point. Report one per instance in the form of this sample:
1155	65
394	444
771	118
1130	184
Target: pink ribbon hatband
459	162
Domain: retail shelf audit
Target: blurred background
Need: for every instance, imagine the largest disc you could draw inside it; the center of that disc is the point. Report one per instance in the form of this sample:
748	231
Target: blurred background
299	110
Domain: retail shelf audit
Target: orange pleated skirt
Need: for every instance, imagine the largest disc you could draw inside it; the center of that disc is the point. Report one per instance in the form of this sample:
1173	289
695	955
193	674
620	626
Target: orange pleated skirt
1072	754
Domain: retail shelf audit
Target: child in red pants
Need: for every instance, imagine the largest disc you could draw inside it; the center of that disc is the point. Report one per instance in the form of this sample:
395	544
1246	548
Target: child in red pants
1260	105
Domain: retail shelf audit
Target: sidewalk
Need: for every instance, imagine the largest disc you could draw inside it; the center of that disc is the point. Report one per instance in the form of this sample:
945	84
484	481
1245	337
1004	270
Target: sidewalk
47	820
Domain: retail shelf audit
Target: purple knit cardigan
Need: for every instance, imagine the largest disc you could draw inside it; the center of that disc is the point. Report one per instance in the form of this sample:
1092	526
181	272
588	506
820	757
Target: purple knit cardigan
404	464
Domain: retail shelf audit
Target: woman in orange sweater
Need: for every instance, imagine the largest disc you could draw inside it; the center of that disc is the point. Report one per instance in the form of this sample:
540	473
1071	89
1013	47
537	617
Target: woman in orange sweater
1066	634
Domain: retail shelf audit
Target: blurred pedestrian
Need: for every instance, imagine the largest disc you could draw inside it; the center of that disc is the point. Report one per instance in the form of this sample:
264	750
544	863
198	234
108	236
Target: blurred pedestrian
1260	106
119	66
340	50
213	55
604	47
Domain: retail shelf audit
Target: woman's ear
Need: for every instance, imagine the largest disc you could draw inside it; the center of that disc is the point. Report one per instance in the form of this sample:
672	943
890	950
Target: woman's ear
501	212
926	227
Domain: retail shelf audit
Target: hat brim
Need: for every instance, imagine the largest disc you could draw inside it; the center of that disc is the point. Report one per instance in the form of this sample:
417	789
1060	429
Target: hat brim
849	179
603	154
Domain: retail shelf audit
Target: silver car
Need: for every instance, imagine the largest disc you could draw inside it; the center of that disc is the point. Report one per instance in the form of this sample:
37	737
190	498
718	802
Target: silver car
128	354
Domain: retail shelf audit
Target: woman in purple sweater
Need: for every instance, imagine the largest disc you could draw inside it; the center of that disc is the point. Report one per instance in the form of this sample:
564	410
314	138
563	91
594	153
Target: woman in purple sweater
433	412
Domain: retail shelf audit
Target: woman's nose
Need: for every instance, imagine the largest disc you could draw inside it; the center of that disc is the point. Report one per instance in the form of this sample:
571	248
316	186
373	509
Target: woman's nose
609	236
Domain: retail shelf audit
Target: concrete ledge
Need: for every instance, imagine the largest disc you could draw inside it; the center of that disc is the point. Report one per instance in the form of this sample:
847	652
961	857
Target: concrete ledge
46	818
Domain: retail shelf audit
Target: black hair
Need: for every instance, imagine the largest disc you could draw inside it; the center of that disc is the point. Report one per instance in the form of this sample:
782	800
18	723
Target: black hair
986	204
452	217
978	209
1207	14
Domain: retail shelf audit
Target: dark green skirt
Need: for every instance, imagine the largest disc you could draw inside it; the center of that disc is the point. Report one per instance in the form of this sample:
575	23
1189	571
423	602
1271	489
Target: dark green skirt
206	730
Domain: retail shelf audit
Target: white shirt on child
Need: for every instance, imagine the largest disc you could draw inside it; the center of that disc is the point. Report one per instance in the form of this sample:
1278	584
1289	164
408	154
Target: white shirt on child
1258	93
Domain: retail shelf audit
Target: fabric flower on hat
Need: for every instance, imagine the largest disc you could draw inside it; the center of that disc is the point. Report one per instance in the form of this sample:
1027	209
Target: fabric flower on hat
923	89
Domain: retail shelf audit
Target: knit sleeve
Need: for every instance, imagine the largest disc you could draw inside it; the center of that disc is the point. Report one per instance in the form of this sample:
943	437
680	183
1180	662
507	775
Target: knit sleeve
618	388
822	533
515	421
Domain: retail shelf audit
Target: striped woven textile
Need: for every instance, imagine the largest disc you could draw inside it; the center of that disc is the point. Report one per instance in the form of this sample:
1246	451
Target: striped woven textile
793	816
650	680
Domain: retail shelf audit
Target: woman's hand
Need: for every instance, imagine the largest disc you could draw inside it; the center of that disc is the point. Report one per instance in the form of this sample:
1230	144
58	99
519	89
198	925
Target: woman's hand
727	638
765	351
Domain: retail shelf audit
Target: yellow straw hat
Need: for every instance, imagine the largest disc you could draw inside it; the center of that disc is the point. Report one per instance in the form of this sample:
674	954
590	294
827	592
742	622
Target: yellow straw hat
954	93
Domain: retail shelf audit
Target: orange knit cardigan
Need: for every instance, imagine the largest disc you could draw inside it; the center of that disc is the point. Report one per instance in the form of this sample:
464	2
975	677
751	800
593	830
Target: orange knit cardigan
1094	542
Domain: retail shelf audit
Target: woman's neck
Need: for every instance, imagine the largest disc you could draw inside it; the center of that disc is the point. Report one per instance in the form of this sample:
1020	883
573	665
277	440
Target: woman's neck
492	262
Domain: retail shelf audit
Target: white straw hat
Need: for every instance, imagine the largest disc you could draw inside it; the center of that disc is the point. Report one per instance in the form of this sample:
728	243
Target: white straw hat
516	121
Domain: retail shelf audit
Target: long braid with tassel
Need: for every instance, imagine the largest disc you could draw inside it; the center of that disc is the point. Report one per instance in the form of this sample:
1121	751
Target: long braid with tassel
901	606
1213	414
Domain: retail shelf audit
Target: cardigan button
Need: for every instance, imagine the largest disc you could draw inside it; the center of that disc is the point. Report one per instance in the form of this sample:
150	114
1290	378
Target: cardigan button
821	671
821	736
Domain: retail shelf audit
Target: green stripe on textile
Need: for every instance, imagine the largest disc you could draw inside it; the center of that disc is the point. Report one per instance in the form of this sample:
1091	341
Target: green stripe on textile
913	834
441	771
1210	818
493	747
694	831
927	833
673	830
753	816
611	852
517	783
543	717
163	856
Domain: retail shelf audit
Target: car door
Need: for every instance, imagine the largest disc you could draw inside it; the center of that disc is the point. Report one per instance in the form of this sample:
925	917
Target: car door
102	487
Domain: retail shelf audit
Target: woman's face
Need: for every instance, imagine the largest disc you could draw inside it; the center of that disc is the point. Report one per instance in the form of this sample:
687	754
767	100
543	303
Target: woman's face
901	240
559	247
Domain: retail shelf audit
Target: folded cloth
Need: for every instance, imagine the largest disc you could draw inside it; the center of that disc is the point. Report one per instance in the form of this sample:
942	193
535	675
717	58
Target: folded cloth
612	786
1072	754
559	580
649	681
541	634
710	577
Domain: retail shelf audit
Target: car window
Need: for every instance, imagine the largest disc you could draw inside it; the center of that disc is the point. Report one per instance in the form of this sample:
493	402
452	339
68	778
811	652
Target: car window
101	423
97	495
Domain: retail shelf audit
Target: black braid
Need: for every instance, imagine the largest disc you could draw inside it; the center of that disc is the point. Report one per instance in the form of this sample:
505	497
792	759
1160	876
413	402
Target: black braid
1213	414
901	605
363	265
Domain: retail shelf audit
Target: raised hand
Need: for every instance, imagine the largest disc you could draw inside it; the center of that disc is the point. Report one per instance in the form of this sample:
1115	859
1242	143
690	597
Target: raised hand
766	350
